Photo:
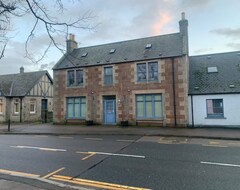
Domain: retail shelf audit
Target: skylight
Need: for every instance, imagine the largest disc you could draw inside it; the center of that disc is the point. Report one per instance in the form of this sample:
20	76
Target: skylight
148	46
212	70
112	51
84	55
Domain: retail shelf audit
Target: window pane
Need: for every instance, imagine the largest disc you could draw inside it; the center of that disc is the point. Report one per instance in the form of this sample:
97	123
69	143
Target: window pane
209	107
158	109
139	98
157	97
140	109
70	110
77	108
108	70
141	72
148	97
153	71
149	113
70	79
108	79
108	75
79	77
83	100
83	110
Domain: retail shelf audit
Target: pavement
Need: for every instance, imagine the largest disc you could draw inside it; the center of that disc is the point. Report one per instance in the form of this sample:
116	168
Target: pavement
50	129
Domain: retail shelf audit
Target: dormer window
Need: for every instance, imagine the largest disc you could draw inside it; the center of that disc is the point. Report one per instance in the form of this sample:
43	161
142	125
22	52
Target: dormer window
84	55
148	46
212	70
112	51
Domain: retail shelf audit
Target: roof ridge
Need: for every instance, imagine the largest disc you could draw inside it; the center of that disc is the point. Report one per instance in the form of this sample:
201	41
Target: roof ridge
211	54
131	40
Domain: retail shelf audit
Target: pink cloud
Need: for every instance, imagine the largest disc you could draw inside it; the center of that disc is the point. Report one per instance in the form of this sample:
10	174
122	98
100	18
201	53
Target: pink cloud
162	20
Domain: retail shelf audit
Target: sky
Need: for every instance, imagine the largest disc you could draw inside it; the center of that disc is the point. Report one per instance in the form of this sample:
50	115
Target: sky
214	26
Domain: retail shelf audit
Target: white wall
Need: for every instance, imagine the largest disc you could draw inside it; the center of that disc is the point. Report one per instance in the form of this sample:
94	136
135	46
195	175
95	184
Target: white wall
231	110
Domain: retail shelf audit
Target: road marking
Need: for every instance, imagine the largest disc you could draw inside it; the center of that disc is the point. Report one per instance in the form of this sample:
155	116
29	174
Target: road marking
95	139
52	173
214	142
214	145
89	155
220	164
64	137
112	154
92	183
15	173
122	140
40	136
40	148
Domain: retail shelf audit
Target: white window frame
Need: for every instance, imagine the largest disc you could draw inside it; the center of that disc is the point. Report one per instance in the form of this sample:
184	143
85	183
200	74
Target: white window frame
32	102
15	104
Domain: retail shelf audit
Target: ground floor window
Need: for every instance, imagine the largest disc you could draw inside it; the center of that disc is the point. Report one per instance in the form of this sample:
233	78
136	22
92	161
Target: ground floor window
1	106
76	107
16	106
214	107
149	106
32	106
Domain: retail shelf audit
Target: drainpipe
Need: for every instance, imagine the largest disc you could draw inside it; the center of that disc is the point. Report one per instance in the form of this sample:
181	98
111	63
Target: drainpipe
192	110
20	109
174	93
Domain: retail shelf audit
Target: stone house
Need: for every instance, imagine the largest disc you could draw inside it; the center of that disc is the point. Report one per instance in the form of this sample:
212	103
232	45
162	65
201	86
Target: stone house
26	97
142	81
214	90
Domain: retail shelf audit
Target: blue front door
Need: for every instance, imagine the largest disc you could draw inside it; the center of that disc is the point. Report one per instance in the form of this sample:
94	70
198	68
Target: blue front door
109	112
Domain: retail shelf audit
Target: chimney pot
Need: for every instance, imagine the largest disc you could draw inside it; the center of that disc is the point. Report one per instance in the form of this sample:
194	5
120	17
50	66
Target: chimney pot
21	69
183	15
71	43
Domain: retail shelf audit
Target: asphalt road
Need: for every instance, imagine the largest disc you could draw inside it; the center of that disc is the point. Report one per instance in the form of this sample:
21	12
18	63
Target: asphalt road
146	162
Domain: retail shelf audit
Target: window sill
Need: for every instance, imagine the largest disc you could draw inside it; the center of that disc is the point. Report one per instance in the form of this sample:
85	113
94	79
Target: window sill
216	117
149	119
80	86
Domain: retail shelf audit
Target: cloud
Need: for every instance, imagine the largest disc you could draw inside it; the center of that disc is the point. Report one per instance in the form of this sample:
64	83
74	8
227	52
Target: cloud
203	51
196	4
227	32
235	46
162	19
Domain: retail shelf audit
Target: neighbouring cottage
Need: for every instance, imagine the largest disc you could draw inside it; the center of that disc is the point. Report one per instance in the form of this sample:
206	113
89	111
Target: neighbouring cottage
214	90
26	97
142	81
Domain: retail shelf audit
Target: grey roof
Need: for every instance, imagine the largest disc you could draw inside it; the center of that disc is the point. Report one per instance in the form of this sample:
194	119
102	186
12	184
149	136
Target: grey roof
163	46
20	84
202	82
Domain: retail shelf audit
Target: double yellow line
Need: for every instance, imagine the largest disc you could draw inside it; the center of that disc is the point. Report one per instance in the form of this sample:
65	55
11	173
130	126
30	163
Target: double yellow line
97	184
77	181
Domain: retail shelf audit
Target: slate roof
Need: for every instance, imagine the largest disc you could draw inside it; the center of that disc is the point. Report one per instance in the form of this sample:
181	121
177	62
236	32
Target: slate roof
163	46
16	85
228	65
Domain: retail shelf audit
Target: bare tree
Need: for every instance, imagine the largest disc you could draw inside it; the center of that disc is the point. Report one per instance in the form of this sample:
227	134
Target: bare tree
42	15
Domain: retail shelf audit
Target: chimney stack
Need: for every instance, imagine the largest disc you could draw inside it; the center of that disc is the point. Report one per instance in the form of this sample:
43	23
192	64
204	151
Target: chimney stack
71	43
183	27
21	69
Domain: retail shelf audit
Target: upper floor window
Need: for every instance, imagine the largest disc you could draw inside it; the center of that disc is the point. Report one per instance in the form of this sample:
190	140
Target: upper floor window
108	75
75	77
215	108
147	71
1	106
